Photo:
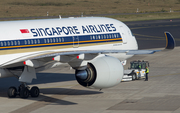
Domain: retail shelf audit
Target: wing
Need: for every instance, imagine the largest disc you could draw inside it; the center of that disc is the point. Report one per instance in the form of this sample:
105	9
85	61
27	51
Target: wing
66	56
41	61
76	53
170	44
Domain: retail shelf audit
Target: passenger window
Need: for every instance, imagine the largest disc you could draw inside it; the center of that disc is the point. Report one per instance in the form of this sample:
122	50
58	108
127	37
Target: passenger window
51	40
19	43
44	40
15	43
8	43
25	42
102	36
12	43
93	37
38	41
1	43
62	39
29	42
47	40
4	43
56	39
34	41
59	39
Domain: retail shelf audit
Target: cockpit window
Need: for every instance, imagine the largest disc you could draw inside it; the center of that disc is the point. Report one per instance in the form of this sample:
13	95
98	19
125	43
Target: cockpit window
131	33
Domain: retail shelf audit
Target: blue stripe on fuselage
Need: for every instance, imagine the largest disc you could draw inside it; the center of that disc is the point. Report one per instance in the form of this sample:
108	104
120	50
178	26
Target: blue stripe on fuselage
59	41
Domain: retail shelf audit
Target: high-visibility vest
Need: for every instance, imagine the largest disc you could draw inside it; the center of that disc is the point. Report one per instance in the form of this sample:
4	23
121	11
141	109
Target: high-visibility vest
147	70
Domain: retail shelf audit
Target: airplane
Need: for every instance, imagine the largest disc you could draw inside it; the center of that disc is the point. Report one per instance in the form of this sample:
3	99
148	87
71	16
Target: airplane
92	46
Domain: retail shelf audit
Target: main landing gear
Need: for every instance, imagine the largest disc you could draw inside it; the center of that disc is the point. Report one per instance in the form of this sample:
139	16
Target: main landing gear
23	91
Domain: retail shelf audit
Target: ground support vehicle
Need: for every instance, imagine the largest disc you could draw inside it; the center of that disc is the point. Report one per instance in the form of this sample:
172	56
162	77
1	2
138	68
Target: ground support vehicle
136	70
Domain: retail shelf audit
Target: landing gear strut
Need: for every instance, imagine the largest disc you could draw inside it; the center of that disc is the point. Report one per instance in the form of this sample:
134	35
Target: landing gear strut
23	91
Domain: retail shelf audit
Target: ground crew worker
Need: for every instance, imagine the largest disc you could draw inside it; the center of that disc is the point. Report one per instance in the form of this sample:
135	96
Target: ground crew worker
139	74
147	72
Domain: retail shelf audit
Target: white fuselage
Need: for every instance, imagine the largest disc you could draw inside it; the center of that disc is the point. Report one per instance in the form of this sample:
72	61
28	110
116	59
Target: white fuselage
20	40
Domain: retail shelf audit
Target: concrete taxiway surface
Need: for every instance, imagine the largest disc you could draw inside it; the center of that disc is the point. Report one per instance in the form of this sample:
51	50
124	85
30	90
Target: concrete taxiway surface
161	94
61	93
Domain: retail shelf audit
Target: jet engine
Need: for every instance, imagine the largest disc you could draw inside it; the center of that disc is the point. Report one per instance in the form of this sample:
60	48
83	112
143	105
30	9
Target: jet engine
5	73
101	72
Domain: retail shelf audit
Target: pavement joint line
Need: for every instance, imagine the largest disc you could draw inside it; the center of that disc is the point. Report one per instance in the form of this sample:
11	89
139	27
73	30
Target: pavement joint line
148	39
153	26
149	36
159	38
165	75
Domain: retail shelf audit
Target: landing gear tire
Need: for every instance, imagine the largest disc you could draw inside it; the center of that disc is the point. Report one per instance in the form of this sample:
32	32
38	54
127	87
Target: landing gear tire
24	92
12	92
34	92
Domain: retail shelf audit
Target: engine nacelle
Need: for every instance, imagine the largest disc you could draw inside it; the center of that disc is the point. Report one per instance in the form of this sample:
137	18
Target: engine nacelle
101	72
5	73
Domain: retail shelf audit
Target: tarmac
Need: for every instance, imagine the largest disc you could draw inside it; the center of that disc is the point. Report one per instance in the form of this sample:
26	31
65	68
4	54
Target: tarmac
60	93
161	94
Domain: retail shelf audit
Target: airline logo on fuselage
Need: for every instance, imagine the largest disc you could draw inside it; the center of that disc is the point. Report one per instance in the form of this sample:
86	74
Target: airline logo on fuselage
68	30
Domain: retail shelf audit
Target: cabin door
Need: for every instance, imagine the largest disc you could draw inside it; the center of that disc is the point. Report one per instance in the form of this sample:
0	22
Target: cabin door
123	34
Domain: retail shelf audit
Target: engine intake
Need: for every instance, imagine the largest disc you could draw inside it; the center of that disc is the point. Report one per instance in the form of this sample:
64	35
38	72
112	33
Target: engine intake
86	77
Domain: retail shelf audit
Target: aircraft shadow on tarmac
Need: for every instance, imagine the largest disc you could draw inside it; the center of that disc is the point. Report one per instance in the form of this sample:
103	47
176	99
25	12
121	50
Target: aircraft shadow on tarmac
53	77
55	101
43	78
64	92
59	93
